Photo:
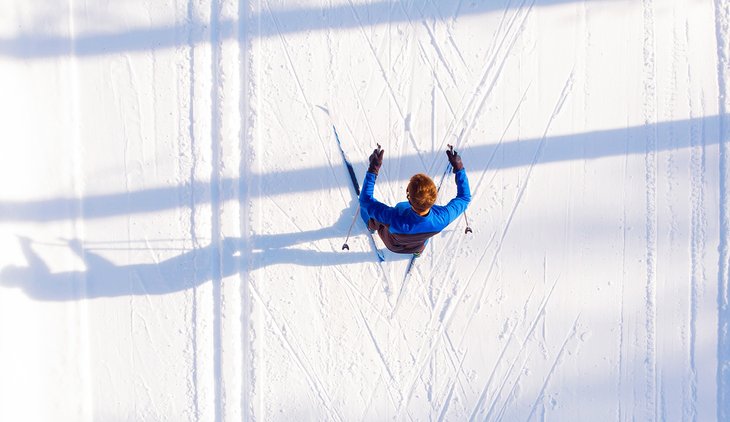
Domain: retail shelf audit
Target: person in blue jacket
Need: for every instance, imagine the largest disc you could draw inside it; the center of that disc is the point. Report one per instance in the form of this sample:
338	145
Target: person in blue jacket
406	227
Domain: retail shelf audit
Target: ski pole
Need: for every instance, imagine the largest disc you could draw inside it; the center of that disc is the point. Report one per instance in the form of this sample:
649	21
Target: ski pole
466	219
354	218
468	229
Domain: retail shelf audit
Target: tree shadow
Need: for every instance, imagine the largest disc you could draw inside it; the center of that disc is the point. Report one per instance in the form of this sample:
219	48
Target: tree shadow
671	135
269	22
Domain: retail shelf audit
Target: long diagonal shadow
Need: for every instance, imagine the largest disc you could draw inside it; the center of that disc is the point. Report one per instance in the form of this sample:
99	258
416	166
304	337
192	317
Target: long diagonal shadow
515	153
293	20
193	267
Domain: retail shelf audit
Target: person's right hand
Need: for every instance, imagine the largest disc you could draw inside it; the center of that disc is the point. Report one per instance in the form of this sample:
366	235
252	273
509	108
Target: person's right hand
454	159
376	160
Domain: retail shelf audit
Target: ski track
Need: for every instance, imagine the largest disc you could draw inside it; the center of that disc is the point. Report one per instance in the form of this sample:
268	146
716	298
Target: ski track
424	57
193	158
508	224
401	366
442	255
310	107
356	311
451	128
538	316
697	242
78	226
344	277
216	204
458	369
245	140
624	239
301	361
383	361
498	72
571	334
485	389
383	73
561	101
722	34
438	51
650	118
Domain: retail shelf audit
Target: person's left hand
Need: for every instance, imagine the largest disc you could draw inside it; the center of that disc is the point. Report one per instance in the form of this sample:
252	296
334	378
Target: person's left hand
376	160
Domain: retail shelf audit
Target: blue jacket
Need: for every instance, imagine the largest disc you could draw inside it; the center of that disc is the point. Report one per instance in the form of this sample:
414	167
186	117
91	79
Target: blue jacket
403	226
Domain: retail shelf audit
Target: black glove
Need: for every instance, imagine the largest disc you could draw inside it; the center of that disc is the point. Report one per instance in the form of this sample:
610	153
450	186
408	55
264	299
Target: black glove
376	160
454	159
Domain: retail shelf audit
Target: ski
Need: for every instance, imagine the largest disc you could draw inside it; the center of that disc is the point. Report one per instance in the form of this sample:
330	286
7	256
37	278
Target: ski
356	187
413	258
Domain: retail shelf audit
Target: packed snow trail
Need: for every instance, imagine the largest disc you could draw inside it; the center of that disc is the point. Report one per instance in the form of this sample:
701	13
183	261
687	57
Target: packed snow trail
173	205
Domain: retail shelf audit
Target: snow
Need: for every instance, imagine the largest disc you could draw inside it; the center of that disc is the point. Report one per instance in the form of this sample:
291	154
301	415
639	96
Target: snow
173	205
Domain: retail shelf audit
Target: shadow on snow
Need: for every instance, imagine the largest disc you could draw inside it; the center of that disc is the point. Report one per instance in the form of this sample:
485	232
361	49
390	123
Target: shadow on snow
269	22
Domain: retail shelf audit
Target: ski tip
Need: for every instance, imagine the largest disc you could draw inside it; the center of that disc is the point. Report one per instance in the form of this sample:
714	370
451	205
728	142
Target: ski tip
323	109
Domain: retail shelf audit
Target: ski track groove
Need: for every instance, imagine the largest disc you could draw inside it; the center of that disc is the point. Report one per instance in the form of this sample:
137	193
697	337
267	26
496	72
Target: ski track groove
498	395
345	278
624	236
361	106
510	396
483	81
501	140
451	38
301	361
571	334
424	57
558	107
455	355
508	224
192	222
383	361
374	141
385	78
380	354
216	206
445	405
438	51
722	35
485	389
470	122
498	73
697	242
384	278
292	70
539	315
650	161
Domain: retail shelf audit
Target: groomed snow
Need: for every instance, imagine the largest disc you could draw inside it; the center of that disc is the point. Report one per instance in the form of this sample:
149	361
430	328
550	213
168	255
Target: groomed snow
173	205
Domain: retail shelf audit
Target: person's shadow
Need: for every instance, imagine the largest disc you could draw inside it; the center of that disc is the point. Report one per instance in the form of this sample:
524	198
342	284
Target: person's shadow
191	268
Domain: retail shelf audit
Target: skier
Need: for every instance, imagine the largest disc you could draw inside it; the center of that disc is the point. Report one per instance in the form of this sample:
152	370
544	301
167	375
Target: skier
407	227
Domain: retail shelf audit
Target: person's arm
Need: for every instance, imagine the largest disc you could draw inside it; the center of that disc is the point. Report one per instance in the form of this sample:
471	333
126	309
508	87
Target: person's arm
463	194
372	206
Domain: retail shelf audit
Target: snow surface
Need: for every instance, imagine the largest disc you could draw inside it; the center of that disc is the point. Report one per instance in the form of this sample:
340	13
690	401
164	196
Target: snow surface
173	205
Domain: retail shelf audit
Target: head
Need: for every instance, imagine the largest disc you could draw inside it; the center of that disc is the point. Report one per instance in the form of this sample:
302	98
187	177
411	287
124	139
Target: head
421	193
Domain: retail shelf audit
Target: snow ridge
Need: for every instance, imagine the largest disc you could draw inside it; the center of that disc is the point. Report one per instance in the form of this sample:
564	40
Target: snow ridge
650	119
698	241
216	92
188	166
78	226
245	143
722	30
